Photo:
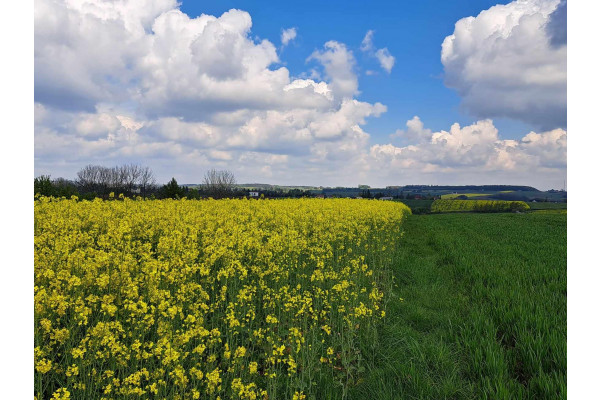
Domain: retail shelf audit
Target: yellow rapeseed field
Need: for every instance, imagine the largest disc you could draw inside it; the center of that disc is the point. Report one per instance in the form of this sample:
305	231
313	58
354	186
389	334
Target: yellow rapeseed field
207	299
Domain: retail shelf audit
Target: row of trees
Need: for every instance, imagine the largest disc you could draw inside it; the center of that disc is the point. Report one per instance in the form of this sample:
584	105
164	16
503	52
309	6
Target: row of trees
133	180
221	184
172	190
98	181
127	179
216	184
58	187
366	194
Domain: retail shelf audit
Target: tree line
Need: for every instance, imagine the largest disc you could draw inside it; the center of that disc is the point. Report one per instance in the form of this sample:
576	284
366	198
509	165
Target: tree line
99	181
366	194
131	180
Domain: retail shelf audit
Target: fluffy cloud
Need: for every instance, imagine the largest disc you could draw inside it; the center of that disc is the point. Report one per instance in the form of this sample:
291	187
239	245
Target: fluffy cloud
87	51
548	148
291	146
367	42
287	35
140	81
511	61
474	149
386	60
151	53
414	132
117	81
339	64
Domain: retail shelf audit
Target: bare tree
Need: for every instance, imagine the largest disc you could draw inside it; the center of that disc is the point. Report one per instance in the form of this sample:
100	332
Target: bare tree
88	178
146	180
105	179
96	178
219	184
130	175
118	179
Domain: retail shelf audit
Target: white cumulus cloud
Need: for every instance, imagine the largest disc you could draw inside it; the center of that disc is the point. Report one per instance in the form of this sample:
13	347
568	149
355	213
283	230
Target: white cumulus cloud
506	63
473	150
287	35
383	55
339	65
414	132
386	60
140	81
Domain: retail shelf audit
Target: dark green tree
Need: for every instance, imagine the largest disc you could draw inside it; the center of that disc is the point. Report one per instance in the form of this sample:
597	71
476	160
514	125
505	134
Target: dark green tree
64	188
172	190
43	185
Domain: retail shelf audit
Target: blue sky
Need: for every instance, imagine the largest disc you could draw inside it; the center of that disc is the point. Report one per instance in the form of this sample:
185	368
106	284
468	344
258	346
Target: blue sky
382	93
413	32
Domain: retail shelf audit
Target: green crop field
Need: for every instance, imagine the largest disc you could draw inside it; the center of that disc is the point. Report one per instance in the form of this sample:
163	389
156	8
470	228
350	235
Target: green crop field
480	310
547	206
443	206
418	206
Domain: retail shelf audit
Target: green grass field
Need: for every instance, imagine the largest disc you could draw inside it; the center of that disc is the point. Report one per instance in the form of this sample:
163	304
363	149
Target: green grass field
480	311
547	206
424	206
418	206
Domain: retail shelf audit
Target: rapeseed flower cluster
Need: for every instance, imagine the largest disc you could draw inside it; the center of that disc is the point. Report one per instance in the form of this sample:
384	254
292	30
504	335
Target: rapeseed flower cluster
187	299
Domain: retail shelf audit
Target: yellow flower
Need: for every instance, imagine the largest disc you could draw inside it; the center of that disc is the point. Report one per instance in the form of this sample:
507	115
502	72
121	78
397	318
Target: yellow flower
213	379
61	394
77	353
195	372
299	396
46	324
227	353
43	366
153	388
73	370
240	352
217	286
253	367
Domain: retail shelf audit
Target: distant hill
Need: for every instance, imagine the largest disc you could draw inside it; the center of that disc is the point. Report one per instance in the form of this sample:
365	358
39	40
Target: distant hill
478	188
473	192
